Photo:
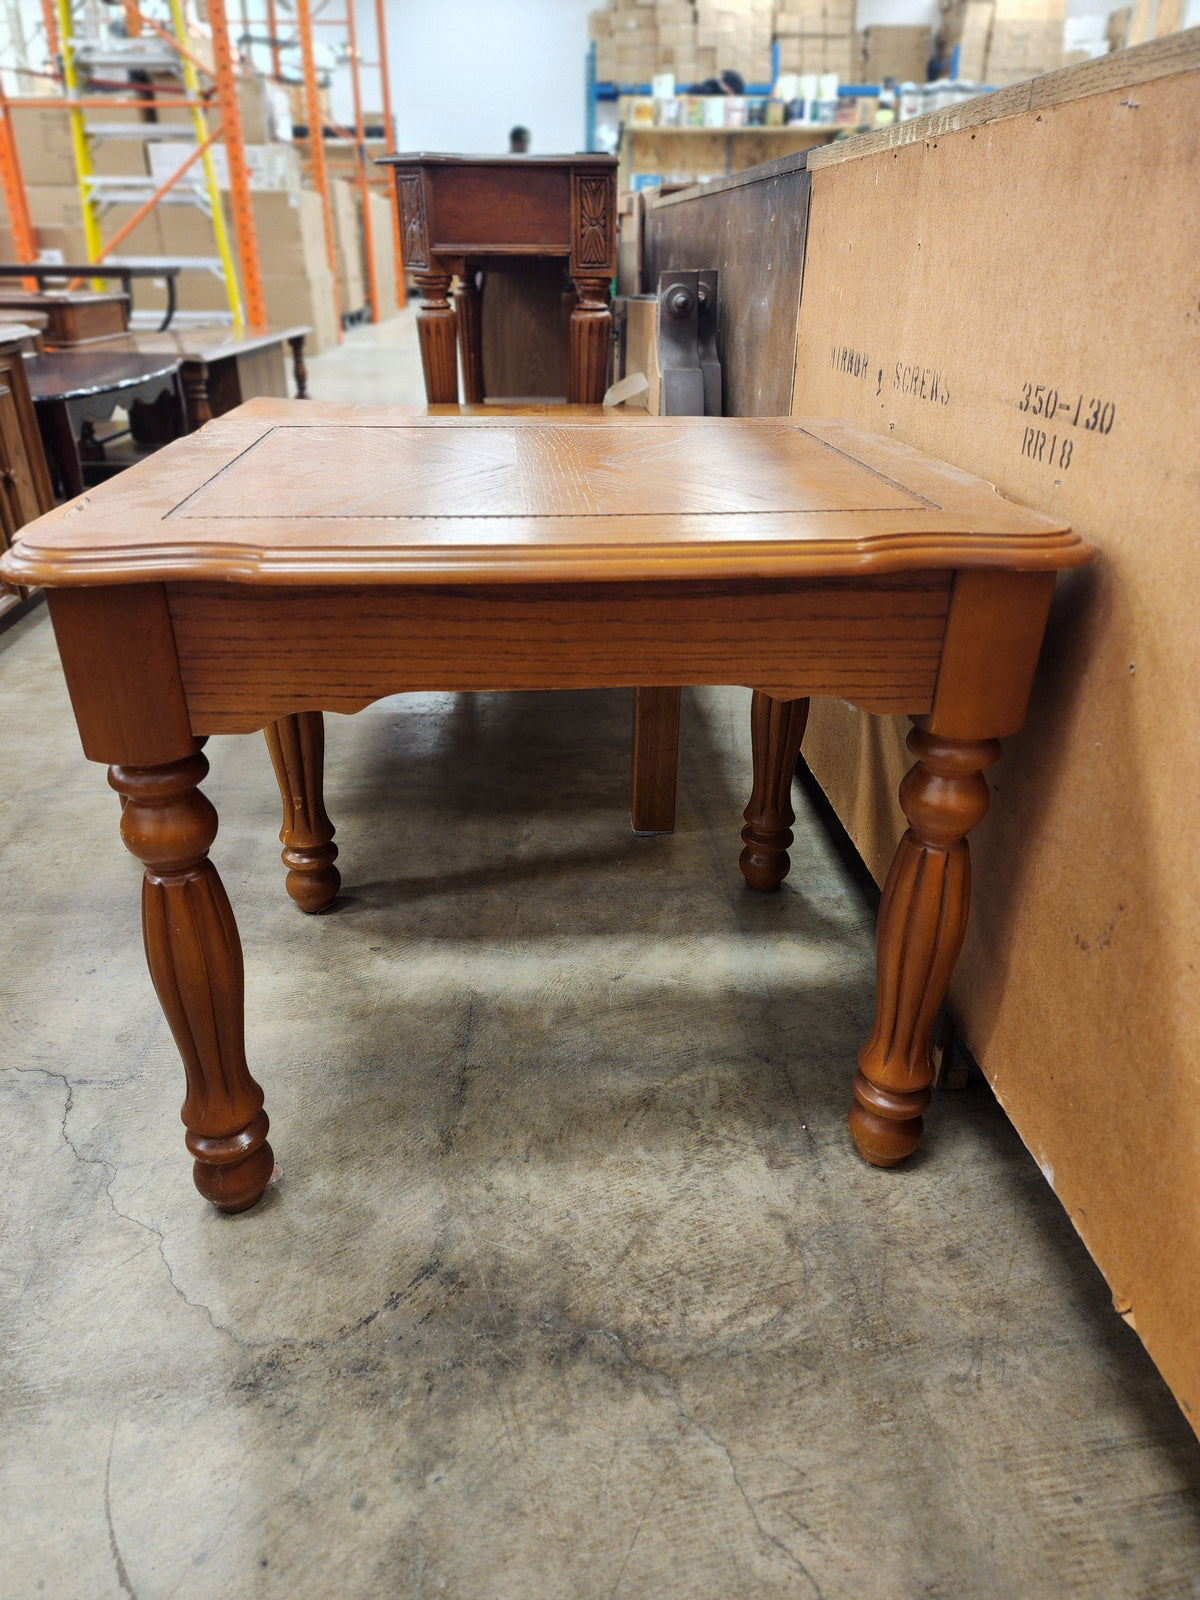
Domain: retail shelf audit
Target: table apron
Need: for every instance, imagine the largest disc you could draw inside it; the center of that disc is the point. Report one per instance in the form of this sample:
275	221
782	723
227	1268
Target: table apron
249	654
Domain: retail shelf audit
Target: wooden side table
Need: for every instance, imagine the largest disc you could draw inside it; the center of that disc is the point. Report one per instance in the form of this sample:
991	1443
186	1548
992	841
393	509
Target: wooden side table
25	488
74	387
223	367
461	214
75	316
291	559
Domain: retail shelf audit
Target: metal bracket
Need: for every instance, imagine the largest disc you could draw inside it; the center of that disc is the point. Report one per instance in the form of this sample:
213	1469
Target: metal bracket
682	383
687	344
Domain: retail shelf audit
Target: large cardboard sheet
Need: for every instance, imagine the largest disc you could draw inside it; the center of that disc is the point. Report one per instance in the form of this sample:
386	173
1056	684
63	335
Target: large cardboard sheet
1022	298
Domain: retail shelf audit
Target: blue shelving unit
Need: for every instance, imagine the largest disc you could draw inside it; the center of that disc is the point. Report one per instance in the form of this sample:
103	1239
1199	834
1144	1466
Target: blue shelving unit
596	90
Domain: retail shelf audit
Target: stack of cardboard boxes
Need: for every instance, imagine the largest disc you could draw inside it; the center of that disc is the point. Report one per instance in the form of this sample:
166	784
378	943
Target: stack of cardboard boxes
900	53
627	40
963	34
739	32
980	41
1026	39
1000	42
694	39
289	221
352	289
816	36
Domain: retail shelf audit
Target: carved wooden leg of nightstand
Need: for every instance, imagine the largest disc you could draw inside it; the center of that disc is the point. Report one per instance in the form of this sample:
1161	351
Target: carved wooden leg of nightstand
437	330
195	394
297	746
776	729
591	342
655	760
468	311
195	960
299	366
922	919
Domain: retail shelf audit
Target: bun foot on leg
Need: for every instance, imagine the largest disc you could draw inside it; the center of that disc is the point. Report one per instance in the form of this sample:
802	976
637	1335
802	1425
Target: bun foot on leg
776	730
297	747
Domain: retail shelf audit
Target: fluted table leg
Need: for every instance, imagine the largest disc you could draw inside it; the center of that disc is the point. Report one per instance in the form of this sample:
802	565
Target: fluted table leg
922	919
195	960
297	746
437	330
776	730
590	343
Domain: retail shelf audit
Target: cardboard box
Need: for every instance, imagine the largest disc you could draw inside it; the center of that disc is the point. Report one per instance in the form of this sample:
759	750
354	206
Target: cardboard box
298	104
291	233
966	28
1077	986
899	53
1021	50
270	166
383	252
295	298
44	148
1117	30
352	294
56	208
817	16
819	53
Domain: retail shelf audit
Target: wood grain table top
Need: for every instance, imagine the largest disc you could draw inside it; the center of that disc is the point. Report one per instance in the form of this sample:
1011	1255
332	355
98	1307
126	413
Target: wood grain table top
295	492
209	342
72	374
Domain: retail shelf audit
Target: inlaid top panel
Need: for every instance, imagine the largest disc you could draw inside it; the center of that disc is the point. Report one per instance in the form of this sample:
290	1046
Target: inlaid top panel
484	471
297	492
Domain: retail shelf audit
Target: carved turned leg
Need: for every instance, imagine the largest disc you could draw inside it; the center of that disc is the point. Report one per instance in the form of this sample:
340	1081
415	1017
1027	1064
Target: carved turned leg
655	760
776	729
467	310
922	919
297	746
195	959
591	342
195	394
299	367
436	329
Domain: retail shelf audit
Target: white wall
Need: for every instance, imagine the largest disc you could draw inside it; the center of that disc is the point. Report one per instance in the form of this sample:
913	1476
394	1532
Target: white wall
463	75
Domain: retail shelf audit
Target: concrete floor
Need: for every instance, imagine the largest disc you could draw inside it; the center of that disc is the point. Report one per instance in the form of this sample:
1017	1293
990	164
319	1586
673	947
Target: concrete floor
572	1286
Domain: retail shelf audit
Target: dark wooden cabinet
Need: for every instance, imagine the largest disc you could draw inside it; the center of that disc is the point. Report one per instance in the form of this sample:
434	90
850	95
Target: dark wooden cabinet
461	216
24	481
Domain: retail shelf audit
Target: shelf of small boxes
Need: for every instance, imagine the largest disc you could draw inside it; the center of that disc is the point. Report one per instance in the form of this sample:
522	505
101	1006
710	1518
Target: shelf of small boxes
670	138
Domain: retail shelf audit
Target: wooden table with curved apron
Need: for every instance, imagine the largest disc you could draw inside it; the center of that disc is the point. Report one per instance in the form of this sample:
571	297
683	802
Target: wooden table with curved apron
294	558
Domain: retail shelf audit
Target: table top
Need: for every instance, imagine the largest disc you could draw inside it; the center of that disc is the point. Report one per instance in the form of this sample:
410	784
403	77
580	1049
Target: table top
207	343
72	374
296	492
433	158
86	269
21	332
34	299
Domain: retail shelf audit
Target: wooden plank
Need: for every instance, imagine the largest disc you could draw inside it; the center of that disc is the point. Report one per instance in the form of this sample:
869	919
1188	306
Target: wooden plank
655	760
1034	318
752	229
251	655
524	330
1121	69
